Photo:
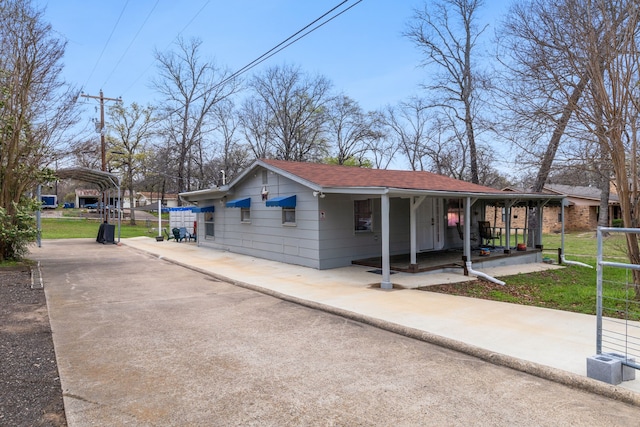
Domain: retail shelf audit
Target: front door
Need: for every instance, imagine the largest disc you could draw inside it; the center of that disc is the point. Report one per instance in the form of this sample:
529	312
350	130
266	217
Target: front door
428	225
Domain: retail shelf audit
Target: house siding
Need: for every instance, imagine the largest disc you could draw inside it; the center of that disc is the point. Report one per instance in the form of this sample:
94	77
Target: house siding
340	244
266	236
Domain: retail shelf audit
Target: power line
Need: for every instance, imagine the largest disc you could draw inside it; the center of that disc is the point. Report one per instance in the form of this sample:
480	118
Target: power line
131	43
107	43
283	45
169	44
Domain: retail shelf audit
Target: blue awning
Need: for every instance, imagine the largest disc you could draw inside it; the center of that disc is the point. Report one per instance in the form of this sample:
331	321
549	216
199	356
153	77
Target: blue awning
282	202
202	209
239	203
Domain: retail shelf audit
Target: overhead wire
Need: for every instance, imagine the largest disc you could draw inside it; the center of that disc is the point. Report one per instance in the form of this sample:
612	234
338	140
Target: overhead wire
106	43
277	48
130	43
283	45
169	44
260	59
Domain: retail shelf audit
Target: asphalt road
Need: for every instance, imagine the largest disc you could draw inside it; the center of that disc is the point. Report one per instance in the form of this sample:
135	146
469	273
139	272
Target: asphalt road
140	341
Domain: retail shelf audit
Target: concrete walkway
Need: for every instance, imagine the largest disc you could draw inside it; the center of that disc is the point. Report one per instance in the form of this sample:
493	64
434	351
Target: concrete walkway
548	343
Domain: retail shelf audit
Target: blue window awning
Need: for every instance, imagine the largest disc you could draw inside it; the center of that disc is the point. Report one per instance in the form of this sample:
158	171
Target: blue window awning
202	209
282	202
239	203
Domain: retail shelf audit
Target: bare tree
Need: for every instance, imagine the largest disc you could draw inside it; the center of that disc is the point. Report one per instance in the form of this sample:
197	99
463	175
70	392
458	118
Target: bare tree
350	129
35	108
130	130
292	105
409	128
233	156
256	128
583	56
191	88
446	32
614	65
380	148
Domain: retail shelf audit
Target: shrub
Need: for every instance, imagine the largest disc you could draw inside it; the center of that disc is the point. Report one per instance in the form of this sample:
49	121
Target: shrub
17	231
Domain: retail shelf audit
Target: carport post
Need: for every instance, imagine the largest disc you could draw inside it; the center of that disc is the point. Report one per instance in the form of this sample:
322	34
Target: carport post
386	265
160	218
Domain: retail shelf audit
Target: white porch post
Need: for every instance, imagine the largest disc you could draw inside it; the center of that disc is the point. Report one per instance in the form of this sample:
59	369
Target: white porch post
467	229
412	228
386	266
414	203
538	237
540	225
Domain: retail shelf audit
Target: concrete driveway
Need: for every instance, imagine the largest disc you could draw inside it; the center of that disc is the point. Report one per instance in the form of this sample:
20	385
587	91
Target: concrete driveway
140	341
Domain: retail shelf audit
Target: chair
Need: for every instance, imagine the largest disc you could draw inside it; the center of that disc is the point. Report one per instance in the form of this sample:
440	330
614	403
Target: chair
177	235
185	235
166	233
487	235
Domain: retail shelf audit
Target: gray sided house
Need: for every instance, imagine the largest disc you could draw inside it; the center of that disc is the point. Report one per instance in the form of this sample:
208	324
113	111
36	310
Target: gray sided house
326	216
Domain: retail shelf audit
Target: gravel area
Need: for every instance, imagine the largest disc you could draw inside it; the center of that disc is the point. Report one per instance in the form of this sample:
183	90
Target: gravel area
30	391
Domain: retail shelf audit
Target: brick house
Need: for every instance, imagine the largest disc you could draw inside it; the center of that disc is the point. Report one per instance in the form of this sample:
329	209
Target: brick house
582	210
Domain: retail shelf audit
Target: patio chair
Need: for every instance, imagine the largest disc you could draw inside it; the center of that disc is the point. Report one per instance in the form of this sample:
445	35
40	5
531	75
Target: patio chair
177	234
185	235
167	235
487	234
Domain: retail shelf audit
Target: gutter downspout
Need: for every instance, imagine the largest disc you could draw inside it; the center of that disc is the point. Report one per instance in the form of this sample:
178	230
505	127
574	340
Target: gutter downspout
467	215
562	258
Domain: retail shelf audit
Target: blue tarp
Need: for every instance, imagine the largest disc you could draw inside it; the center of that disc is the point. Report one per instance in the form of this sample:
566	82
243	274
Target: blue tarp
239	203
282	202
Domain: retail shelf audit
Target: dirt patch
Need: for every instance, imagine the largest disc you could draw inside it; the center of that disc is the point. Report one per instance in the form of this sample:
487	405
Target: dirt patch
30	391
483	289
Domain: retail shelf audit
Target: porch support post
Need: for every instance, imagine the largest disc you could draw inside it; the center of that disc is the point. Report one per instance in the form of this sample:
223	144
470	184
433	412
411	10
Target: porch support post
538	237
561	250
507	225
412	227
413	207
386	265
467	229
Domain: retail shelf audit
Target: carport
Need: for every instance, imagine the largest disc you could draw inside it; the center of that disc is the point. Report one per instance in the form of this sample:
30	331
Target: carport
105	181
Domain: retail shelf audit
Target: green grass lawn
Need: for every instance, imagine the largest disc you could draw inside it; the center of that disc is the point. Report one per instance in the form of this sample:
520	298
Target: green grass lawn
572	288
67	228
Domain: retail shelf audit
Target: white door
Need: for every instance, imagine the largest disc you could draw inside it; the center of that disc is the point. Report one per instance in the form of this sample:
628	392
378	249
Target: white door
428	233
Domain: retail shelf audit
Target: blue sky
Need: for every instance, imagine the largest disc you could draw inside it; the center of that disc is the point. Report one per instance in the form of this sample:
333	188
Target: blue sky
362	51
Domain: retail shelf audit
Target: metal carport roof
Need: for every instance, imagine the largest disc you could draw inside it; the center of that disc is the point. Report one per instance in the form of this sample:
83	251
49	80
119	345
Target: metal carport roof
104	180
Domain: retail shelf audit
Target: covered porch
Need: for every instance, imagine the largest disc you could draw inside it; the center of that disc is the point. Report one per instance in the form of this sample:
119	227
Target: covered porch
468	258
453	259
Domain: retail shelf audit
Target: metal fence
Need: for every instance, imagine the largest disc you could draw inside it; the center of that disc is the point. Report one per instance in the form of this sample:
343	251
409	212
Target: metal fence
617	308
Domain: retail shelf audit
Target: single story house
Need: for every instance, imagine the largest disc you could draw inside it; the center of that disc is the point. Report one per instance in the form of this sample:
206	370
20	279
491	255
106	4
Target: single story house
327	216
145	198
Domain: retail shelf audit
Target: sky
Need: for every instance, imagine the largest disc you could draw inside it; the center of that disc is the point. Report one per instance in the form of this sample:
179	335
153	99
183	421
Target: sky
111	44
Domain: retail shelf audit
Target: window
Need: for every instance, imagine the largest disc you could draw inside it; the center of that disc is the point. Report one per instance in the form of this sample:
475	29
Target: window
245	214
289	216
208	225
363	215
455	213
265	177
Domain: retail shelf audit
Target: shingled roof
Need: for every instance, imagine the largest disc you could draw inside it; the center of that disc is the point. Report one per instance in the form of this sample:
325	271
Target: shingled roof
332	176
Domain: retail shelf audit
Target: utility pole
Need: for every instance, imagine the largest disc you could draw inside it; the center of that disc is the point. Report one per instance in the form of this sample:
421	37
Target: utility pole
103	145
